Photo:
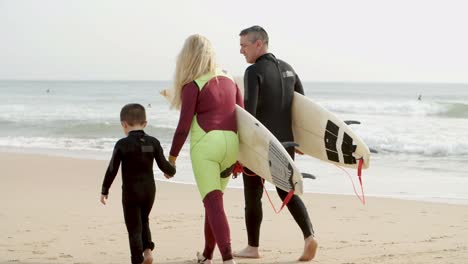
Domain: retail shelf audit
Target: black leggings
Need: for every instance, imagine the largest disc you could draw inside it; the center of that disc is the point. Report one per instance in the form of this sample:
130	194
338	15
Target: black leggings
253	191
136	208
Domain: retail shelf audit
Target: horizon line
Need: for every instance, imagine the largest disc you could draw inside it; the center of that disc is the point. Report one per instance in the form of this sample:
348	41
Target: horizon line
304	81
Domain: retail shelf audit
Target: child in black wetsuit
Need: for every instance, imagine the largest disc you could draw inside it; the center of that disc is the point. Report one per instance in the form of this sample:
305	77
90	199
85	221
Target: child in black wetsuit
137	153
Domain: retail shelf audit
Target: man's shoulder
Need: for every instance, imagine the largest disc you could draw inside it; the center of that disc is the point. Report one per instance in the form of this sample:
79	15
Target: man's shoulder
252	68
284	64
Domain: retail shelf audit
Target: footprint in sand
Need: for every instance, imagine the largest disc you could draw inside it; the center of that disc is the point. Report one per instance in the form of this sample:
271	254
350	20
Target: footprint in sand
62	255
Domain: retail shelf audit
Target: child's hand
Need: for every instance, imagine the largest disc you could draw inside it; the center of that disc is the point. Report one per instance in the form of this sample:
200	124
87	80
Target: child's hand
167	176
103	199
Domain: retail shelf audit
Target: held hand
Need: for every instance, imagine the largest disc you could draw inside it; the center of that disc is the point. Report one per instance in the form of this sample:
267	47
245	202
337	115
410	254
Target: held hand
103	199
172	160
298	151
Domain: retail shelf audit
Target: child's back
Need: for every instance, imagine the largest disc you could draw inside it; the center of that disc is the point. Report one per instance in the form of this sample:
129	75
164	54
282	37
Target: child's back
136	152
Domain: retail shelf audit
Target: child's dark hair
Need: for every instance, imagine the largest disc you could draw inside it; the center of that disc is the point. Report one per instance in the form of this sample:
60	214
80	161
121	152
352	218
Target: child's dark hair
133	114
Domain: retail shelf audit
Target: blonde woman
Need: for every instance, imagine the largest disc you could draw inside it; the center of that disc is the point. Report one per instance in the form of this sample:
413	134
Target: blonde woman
206	97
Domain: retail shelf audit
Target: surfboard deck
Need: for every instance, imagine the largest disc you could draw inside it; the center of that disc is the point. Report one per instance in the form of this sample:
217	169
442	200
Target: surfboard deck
321	134
262	153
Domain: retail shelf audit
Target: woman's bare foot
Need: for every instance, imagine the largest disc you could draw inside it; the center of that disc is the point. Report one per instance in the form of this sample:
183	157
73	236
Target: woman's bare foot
202	259
148	256
248	252
310	248
231	261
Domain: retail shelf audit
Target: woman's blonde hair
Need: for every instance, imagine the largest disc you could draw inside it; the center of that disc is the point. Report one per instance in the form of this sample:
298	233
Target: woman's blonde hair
196	59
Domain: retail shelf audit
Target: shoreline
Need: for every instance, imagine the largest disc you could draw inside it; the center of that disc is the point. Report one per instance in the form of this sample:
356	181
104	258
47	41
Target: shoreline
51	214
94	156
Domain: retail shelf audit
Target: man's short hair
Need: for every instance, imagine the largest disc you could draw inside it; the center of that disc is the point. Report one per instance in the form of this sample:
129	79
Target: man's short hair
133	114
255	33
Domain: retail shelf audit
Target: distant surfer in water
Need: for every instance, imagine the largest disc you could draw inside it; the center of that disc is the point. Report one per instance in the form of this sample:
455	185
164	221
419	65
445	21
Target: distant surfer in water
270	84
419	97
207	98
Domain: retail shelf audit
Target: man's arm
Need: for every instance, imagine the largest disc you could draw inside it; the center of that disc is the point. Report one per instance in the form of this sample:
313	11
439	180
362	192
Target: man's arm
298	86
239	100
251	87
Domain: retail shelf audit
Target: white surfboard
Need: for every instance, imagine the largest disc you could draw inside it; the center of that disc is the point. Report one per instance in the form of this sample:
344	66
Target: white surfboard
262	153
321	134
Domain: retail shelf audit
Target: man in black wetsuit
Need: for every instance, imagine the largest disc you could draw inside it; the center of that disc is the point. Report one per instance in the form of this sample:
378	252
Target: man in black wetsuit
137	153
269	86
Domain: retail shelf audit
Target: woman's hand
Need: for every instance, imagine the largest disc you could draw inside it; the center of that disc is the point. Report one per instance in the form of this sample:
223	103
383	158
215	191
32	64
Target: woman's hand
103	199
172	160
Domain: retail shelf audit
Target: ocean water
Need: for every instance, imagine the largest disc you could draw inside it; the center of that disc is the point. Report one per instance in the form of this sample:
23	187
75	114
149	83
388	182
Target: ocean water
422	144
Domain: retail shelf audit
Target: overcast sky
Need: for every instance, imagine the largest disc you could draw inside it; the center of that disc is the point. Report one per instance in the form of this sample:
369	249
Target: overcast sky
348	40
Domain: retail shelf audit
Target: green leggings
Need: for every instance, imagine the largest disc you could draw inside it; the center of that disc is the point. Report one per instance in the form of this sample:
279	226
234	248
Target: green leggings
211	153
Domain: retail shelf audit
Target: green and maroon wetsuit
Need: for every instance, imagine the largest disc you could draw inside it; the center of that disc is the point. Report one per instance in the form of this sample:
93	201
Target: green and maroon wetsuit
208	113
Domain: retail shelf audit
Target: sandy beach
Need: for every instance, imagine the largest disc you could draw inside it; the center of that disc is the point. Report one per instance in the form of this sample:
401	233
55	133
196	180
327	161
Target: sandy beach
50	213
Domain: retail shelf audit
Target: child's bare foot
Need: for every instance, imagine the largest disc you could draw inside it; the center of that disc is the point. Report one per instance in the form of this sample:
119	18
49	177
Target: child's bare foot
248	252
202	259
310	248
148	256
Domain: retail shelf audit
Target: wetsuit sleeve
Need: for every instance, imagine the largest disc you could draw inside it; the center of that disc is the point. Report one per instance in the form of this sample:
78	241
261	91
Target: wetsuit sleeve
251	84
239	99
163	164
187	111
112	170
298	86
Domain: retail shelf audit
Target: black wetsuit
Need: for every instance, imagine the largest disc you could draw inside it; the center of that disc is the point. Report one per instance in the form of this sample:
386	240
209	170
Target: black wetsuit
137	153
269	90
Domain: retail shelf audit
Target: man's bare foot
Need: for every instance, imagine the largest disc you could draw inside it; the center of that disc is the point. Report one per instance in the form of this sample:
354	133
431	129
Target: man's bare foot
310	248
202	259
248	252
148	256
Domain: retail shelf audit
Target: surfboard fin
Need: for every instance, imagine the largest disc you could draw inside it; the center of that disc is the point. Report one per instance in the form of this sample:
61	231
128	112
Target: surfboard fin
289	144
308	176
227	172
352	122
